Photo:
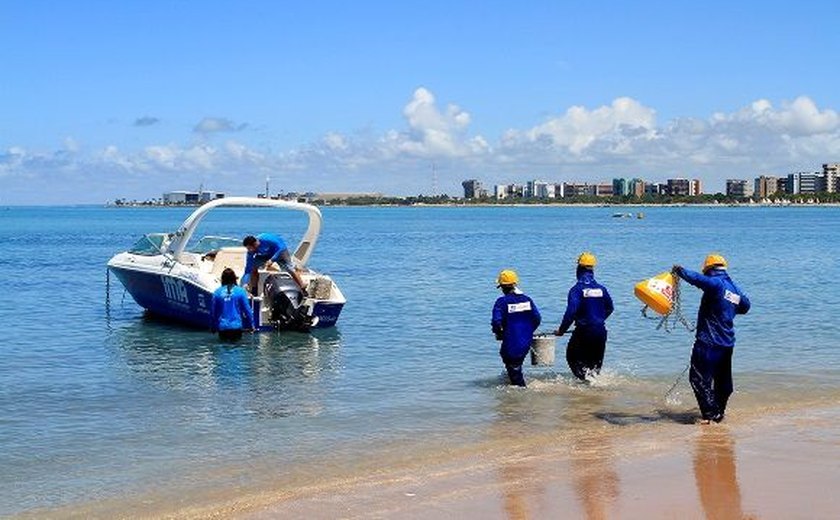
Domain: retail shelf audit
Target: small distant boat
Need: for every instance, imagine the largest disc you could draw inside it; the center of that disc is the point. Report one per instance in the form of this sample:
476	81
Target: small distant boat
622	215
168	280
640	215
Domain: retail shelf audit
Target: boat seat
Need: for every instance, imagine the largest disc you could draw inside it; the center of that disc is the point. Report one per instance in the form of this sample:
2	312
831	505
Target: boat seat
233	257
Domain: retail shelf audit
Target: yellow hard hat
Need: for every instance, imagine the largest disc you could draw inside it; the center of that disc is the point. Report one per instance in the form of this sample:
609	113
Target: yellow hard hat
714	260
587	259
507	277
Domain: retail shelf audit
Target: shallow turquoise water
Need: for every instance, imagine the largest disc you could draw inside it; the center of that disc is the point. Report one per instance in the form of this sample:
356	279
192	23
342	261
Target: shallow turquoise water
98	402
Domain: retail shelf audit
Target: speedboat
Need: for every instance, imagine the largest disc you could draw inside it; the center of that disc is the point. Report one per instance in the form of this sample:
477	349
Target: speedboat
172	280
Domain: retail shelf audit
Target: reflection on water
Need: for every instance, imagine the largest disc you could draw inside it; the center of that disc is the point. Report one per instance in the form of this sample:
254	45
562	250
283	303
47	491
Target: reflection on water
523	491
152	348
269	374
594	476
716	476
596	481
566	414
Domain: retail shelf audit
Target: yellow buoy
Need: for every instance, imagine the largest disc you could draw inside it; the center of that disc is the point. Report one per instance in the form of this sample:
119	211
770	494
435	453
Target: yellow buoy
657	292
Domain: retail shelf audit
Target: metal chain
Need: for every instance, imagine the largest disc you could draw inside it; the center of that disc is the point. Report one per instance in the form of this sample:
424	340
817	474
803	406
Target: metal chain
677	382
669	321
673	317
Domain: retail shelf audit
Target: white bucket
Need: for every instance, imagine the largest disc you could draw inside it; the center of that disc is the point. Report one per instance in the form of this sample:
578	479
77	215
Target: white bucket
542	350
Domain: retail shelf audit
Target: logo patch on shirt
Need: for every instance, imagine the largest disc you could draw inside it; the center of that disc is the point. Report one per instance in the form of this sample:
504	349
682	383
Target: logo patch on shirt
731	297
519	307
593	293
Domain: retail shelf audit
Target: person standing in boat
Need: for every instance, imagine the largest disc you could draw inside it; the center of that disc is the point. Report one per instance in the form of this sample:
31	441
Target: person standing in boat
589	305
231	309
711	357
263	250
515	318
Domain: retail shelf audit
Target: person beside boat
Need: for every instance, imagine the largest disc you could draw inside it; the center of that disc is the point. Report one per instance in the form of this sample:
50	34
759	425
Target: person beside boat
266	249
515	318
231	309
714	344
588	307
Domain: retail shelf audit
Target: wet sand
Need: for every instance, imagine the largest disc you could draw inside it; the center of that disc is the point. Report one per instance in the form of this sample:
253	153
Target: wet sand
620	465
785	467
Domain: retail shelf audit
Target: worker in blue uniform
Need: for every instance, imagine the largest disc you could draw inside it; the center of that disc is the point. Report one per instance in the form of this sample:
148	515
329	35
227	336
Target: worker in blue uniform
589	305
515	318
711	357
231	310
267	249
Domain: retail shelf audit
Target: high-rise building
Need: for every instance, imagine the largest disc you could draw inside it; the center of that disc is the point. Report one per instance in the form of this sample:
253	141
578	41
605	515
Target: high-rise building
530	189
620	187
540	190
739	188
637	188
604	190
653	188
810	182
580	189
679	187
792	184
695	187
766	186
472	188
544	190
831	175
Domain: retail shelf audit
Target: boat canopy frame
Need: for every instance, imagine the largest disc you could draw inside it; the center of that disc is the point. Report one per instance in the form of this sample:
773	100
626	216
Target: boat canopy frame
304	249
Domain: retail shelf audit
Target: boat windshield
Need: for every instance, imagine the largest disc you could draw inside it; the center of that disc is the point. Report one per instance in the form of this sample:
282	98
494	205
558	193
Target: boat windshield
149	245
214	243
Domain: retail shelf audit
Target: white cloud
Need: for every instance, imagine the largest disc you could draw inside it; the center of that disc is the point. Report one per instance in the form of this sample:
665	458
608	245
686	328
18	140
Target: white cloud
596	143
801	117
335	141
433	132
579	128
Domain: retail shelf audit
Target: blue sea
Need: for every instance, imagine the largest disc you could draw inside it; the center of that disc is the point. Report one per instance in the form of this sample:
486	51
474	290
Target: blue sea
100	404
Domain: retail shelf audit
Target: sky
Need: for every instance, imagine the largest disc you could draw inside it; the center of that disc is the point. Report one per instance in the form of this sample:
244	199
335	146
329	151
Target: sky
102	100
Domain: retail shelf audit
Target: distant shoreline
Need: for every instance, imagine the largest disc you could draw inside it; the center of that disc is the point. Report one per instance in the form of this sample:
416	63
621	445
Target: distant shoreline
616	206
518	205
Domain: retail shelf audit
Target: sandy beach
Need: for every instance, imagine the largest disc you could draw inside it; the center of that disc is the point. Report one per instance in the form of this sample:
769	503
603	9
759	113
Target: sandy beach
655	465
781	467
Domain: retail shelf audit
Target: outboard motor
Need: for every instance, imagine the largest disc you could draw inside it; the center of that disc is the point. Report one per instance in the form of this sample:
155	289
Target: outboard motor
285	299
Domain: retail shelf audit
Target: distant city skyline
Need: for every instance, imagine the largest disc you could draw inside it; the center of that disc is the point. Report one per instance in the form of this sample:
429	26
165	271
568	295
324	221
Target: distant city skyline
826	180
106	100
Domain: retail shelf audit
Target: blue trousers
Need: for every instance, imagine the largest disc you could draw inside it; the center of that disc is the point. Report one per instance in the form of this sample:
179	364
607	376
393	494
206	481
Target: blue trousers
585	352
514	369
711	379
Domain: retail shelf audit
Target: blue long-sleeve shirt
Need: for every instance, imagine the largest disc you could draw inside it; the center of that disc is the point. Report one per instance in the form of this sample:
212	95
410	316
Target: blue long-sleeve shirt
231	309
589	303
721	301
515	318
270	248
